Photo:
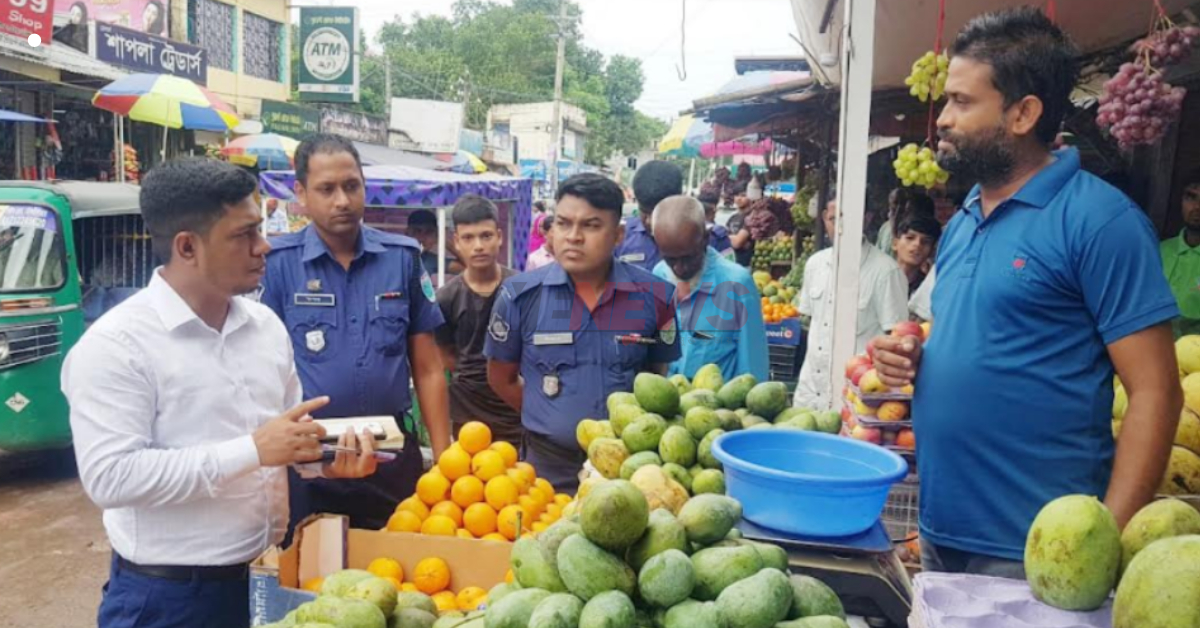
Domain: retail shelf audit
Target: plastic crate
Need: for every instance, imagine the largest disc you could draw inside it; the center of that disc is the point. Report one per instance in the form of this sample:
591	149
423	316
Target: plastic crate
901	511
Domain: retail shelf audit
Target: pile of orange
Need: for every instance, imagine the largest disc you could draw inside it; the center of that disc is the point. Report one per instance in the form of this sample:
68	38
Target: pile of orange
431	577
479	490
776	312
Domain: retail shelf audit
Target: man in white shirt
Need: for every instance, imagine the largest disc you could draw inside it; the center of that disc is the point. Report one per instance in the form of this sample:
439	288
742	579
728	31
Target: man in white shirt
180	402
882	302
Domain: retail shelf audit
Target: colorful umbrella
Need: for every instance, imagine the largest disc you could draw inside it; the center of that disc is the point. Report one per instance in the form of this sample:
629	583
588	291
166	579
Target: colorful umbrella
268	151
465	162
686	137
168	101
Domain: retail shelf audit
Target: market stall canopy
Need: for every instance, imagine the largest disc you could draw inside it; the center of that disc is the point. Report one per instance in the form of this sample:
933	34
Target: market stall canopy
61	58
464	162
374	155
686	137
168	101
268	151
905	29
13	116
735	148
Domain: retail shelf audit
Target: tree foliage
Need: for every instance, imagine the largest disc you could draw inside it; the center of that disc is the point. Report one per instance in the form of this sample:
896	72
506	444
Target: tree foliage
487	53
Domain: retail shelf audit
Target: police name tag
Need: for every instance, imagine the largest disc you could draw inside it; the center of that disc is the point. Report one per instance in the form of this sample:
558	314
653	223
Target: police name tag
315	300
633	257
546	340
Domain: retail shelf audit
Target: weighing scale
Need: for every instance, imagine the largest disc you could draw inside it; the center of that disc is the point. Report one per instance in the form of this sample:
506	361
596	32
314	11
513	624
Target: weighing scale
863	570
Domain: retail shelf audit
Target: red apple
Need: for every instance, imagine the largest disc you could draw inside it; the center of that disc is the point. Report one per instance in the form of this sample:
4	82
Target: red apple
908	328
857	373
855	362
893	411
868	434
869	383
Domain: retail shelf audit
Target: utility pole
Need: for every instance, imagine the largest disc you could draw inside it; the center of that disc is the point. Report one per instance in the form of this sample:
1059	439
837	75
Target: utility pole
387	87
559	66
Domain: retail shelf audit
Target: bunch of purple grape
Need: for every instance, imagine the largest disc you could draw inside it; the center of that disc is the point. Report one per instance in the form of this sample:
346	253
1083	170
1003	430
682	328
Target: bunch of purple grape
762	222
1169	46
1138	105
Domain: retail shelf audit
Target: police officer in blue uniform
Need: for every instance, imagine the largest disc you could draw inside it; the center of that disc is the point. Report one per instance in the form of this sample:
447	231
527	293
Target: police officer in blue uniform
654	181
565	336
361	314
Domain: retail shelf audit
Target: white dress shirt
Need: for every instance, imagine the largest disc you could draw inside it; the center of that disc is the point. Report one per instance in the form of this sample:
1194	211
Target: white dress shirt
163	408
921	303
882	302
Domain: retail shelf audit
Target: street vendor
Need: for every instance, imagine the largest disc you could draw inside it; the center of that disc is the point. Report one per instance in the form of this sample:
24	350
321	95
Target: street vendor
1048	278
882	303
361	314
186	406
466	302
565	336
1181	262
653	182
719	310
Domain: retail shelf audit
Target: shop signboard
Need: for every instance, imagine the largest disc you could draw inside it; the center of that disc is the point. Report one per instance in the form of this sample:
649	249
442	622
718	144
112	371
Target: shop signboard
290	120
151	54
144	16
355	126
785	332
329	45
27	17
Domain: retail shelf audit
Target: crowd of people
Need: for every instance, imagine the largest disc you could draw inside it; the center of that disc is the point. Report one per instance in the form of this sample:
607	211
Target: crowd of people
192	406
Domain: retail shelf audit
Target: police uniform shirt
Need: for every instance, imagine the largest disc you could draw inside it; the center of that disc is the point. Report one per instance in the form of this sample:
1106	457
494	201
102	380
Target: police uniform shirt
638	247
350	329
572	359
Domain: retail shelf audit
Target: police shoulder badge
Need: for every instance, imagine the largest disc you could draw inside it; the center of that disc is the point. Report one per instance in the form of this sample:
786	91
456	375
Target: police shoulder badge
427	287
667	332
498	328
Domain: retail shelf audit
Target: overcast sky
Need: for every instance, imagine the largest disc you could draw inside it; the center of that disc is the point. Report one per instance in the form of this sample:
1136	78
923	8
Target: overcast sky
717	32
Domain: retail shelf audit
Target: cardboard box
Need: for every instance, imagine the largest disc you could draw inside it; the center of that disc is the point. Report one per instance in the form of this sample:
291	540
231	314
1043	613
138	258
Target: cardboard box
326	543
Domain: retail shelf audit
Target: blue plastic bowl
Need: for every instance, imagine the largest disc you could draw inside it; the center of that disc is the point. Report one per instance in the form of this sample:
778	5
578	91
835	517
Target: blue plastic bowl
808	483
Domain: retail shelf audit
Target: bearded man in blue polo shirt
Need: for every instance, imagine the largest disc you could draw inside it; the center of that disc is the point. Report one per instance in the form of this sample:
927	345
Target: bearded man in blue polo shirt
1048	279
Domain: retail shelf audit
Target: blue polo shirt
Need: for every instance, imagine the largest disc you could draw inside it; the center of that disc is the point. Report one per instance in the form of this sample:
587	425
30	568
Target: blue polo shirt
570	358
638	247
721	321
350	329
1014	393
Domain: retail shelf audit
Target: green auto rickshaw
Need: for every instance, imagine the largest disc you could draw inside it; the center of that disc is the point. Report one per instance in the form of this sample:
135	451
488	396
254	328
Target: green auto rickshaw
69	251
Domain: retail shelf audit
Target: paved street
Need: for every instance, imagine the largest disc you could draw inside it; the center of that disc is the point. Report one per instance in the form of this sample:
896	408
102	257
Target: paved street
53	552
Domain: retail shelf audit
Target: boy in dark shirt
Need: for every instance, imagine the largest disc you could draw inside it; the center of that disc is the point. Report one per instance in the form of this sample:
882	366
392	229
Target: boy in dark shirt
466	302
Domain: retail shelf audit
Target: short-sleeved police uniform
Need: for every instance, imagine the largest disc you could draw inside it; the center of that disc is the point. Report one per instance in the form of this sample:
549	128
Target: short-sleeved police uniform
350	332
572	359
638	247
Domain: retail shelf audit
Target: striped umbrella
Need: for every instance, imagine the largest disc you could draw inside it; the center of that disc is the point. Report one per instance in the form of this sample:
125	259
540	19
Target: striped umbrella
168	101
266	150
686	137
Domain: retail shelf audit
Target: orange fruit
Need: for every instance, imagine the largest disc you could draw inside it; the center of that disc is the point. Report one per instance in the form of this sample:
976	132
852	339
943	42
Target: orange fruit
434	470
314	584
540	527
386	568
546	487
475	437
445	601
532	508
448	509
500	492
507	451
480	519
540	496
464	534
562	499
509	577
432	489
414	505
470	598
518	479
506	522
439	525
554	510
431	575
495	536
395	583
467	490
409	587
528	471
455	462
403	521
487	464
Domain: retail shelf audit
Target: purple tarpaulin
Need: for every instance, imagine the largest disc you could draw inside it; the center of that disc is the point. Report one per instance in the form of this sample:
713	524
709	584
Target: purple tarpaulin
407	188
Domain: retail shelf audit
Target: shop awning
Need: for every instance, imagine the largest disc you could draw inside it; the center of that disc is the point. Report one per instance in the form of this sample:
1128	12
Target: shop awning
13	116
374	155
59	57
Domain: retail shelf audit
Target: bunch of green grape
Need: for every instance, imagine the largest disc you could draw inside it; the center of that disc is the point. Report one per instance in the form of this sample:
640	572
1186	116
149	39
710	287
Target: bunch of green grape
918	166
928	77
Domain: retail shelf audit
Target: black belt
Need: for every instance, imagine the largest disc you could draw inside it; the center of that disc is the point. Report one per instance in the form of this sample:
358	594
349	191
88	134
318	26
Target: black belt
181	572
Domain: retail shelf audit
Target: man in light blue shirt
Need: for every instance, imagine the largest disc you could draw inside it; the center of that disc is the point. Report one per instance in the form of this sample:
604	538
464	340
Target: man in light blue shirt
719	312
